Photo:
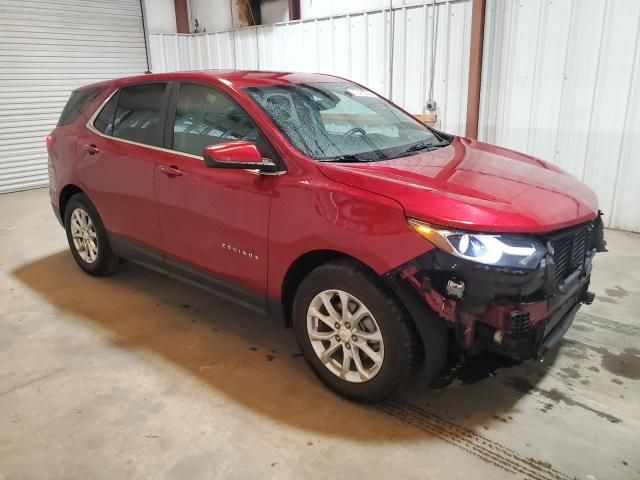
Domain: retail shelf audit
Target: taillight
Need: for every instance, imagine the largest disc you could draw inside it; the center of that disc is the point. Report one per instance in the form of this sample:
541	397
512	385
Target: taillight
49	141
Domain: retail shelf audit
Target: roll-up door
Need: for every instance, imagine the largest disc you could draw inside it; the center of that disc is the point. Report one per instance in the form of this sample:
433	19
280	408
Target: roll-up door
48	48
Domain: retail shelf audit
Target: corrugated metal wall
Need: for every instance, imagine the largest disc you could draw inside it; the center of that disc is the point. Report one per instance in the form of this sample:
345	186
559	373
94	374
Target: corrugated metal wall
561	81
46	50
388	50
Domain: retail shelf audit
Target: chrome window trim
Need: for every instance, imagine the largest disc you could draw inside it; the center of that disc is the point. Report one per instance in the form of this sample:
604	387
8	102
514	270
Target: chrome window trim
90	125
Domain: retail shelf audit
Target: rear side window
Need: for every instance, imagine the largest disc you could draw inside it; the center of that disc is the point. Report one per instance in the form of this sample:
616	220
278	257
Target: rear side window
78	101
104	120
137	116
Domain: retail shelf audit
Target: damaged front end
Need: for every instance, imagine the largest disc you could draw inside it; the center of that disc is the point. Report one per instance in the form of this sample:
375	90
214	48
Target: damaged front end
518	312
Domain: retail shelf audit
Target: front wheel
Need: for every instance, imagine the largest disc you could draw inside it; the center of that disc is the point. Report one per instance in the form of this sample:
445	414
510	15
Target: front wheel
352	332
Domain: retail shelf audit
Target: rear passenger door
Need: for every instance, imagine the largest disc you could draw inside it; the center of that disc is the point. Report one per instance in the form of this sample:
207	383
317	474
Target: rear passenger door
130	135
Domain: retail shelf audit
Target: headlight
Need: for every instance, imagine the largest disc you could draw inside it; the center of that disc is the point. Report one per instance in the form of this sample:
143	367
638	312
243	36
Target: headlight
511	250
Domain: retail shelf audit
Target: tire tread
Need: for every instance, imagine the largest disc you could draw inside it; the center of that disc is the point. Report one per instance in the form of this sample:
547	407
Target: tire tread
353	273
107	261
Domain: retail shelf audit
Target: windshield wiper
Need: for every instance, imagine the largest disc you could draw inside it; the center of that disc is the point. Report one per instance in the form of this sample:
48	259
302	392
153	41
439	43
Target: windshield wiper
424	146
347	158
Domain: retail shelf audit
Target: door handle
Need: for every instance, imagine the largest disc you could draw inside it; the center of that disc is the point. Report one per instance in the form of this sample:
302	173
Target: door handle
91	149
170	171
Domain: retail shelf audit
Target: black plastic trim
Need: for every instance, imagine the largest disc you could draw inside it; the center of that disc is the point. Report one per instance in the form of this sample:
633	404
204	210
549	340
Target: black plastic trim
155	260
558	331
217	285
136	252
415	306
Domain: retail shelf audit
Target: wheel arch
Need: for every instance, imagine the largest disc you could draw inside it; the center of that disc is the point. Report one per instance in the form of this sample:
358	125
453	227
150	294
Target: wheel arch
307	262
65	195
426	323
299	269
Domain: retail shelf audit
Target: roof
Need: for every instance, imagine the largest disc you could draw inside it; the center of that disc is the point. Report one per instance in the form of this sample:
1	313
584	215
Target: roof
237	78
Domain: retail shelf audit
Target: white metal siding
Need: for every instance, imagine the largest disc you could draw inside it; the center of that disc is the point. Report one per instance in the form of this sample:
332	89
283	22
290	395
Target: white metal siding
48	48
412	58
561	81
368	47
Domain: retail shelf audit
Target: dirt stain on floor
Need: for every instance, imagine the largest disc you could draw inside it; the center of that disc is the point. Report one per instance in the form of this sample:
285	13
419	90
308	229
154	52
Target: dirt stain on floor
582	328
625	364
571	372
616	292
523	385
605	300
547	406
574	350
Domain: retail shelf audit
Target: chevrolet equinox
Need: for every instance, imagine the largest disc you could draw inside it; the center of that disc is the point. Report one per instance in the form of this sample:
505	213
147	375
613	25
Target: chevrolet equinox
385	244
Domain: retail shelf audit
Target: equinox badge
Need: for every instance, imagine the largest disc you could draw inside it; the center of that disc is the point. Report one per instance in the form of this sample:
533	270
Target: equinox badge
240	251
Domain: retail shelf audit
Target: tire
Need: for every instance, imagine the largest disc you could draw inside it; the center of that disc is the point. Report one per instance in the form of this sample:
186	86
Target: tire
384	366
92	251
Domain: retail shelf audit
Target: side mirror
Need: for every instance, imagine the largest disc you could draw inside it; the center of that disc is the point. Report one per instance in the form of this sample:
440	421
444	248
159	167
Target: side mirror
239	154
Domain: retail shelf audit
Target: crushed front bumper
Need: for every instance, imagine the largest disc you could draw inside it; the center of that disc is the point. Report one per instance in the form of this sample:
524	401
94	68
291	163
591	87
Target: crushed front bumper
521	314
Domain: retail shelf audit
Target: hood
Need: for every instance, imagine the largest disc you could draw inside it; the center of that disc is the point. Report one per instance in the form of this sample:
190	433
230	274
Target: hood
475	186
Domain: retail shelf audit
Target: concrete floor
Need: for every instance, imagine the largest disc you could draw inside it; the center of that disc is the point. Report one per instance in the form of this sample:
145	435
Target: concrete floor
138	376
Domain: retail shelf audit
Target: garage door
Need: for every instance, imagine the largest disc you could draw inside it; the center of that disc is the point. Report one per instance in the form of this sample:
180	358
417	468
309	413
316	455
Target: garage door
48	48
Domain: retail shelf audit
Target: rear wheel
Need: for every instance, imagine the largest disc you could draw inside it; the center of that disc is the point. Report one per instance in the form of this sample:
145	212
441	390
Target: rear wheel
87	237
352	332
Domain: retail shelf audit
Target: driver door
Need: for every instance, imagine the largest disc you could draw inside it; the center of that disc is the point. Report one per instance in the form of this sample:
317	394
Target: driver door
214	222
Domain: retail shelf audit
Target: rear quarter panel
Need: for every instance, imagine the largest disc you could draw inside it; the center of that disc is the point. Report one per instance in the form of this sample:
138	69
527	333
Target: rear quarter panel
67	162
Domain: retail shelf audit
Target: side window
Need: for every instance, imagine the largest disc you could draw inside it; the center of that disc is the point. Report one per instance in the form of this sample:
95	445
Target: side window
77	102
104	120
138	114
205	116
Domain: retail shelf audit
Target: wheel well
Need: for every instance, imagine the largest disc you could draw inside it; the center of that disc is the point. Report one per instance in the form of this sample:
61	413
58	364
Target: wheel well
67	192
303	265
299	269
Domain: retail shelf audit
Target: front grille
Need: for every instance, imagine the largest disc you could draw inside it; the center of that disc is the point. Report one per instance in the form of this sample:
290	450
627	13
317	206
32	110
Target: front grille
569	252
518	324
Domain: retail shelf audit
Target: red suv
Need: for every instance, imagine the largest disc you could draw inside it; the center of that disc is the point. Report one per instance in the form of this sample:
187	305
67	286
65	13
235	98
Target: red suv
385	244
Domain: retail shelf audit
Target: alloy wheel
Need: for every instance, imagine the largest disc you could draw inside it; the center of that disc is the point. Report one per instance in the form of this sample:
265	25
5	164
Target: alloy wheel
345	336
83	233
